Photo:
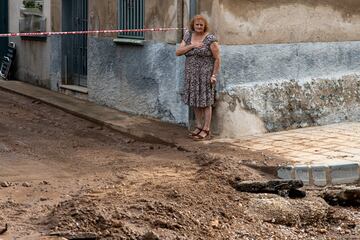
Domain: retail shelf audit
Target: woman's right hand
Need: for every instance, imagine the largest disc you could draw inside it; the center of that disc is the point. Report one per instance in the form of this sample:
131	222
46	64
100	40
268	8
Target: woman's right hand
197	45
183	48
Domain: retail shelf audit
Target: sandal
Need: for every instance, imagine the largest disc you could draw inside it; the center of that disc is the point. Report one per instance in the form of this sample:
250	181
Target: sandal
202	138
196	131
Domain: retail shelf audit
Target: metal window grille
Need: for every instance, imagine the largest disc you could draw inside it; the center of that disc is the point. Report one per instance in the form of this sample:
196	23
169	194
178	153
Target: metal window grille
131	16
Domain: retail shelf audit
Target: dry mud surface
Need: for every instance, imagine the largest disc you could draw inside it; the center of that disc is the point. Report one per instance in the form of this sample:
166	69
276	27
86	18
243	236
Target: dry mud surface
63	177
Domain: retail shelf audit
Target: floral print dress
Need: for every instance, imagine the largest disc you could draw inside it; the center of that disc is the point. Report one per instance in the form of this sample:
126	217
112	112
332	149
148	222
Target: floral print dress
199	64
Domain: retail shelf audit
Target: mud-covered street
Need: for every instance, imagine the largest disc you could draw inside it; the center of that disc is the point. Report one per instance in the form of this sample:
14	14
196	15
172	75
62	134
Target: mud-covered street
62	176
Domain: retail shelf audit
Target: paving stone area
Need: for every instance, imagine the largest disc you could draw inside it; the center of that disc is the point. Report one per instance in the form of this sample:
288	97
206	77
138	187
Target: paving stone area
318	155
336	143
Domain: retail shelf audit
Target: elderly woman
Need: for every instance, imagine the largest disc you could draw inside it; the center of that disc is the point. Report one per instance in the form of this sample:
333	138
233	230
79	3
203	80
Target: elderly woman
201	68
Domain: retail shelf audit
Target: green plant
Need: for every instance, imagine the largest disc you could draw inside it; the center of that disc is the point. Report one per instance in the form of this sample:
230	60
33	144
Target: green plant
32	4
29	3
39	6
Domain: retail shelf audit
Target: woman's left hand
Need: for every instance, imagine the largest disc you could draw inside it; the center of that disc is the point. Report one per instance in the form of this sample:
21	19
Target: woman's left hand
213	79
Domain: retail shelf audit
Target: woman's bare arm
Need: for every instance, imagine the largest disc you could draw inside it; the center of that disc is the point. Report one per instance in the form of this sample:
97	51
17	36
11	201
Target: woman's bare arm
215	49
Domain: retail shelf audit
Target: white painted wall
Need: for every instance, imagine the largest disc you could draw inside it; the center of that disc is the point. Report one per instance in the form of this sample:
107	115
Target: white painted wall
33	57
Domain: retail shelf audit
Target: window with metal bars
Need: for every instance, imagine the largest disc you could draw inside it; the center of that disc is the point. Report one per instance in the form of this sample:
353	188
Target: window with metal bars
131	16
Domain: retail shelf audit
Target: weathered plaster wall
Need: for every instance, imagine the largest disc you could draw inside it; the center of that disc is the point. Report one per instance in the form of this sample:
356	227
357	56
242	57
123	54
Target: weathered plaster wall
115	77
55	62
136	79
55	45
294	104
158	13
186	12
56	15
32	57
282	21
285	86
103	15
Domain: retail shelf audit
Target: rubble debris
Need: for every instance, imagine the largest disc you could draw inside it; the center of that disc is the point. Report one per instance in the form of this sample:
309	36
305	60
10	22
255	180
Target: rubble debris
150	236
3	230
5	184
75	236
343	197
26	184
288	212
44	182
285	188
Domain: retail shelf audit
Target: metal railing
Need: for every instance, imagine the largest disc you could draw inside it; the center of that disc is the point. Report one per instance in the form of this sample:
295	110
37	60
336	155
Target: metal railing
131	16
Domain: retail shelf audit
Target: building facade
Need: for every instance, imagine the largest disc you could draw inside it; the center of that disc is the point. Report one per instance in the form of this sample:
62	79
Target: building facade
285	64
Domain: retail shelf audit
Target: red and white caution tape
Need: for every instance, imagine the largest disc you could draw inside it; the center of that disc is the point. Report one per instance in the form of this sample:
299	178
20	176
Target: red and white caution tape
45	34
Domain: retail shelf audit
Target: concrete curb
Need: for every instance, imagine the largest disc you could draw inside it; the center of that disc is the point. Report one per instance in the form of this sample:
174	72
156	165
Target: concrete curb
322	174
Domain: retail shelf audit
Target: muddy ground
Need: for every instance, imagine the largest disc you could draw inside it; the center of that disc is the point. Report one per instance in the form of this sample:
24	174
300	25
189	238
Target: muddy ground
62	176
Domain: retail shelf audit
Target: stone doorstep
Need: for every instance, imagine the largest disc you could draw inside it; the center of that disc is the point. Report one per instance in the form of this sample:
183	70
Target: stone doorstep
322	175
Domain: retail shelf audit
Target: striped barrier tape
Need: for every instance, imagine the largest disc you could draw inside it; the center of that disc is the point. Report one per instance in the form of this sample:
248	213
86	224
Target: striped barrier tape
45	34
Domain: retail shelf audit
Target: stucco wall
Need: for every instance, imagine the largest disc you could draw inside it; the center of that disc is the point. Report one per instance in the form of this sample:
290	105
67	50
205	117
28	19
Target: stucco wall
103	15
136	79
283	21
115	77
55	63
275	87
158	13
32	57
56	15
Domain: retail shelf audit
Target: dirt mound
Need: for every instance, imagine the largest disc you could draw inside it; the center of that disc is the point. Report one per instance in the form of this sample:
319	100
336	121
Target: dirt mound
225	168
290	212
92	218
81	215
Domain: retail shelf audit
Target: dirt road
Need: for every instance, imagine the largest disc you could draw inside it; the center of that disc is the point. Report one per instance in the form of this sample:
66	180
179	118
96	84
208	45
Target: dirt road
62	176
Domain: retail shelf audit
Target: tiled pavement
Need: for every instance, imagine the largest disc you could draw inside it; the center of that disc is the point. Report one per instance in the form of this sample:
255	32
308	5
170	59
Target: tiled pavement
335	143
317	155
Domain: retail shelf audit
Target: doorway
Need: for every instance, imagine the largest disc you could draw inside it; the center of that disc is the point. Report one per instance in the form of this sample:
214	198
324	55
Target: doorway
74	53
4	26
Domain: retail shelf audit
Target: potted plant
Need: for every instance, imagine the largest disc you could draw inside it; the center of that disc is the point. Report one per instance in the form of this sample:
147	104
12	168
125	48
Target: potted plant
32	18
32	7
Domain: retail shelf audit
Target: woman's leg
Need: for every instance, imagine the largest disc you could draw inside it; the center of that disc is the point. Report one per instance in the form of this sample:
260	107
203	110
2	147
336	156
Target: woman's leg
207	118
199	116
207	112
